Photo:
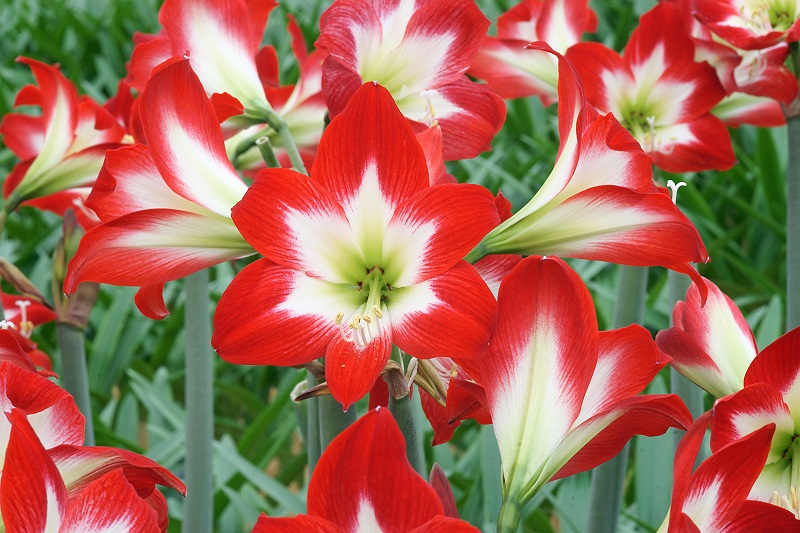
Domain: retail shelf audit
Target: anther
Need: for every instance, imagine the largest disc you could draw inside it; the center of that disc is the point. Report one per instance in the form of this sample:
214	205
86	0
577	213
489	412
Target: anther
377	311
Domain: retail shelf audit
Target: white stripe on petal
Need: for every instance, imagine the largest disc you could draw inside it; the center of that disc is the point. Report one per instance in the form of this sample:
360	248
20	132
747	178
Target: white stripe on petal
531	412
205	178
366	521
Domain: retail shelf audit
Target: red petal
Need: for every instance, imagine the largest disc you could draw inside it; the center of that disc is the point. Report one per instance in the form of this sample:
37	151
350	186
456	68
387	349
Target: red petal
364	473
297	524
351	371
150	301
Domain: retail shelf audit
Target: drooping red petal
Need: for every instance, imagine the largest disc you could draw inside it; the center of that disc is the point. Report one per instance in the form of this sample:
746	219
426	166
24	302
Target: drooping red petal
351	370
779	365
150	301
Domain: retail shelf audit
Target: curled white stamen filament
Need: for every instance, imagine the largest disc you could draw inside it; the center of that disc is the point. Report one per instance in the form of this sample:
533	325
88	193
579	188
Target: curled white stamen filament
5	324
674	188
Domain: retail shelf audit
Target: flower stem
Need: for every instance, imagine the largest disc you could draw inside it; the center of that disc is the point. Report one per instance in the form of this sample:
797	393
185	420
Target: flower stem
267	154
491	480
199	507
608	478
403	412
277	123
510	517
793	224
332	419
314	429
74	376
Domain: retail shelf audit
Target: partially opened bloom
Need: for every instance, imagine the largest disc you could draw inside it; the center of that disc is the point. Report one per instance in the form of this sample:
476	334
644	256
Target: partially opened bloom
419	51
599	202
62	149
713	498
24	314
363	255
222	38
165	206
364	482
563	396
710	343
659	93
514	71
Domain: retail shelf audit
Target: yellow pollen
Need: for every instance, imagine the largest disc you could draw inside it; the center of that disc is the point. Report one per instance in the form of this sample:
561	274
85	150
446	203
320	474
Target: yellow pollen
355	322
377	311
339	318
789	503
367	319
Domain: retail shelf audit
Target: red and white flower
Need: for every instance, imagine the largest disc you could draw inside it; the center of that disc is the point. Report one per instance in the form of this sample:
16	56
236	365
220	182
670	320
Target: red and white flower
514	71
62	149
563	396
659	93
599	202
419	51
713	498
710	342
363	255
751	24
165	206
222	39
364	482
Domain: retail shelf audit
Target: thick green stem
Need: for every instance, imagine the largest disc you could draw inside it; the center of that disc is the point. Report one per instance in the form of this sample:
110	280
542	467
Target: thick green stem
279	125
313	446
332	419
793	225
608	478
510	517
74	376
403	411
491	480
199	507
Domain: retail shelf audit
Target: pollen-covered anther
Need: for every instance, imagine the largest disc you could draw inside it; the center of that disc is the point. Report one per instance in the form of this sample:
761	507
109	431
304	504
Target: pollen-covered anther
790	502
25	325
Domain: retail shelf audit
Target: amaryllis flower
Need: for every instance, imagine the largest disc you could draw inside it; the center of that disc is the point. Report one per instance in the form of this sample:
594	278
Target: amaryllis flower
364	482
363	255
564	397
419	51
599	202
221	37
659	93
511	69
771	394
754	80
713	498
165	206
711	343
62	149
34	497
751	24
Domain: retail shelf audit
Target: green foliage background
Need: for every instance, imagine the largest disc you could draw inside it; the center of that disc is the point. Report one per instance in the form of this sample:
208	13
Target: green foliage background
136	364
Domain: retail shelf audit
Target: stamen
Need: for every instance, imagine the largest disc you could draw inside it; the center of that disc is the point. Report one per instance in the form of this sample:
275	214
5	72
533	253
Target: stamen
25	325
5	324
674	188
377	311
